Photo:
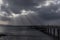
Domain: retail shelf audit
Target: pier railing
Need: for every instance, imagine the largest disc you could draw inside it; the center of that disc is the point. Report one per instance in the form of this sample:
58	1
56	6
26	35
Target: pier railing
53	31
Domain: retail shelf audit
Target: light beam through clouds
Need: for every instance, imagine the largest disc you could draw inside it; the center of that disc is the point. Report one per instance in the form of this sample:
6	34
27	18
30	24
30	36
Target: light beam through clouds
46	9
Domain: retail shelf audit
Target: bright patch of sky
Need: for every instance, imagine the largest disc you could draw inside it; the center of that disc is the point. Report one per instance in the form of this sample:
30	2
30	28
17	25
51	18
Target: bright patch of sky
1	2
13	15
48	3
24	12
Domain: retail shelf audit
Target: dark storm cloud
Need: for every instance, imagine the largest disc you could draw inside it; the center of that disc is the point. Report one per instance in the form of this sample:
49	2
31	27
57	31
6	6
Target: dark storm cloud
17	5
24	2
49	13
46	13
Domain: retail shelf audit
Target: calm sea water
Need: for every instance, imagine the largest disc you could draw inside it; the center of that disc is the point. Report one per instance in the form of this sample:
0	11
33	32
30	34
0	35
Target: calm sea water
22	33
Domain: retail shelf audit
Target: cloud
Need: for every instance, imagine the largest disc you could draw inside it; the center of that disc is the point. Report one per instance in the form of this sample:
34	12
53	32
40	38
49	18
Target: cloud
50	14
17	5
1	2
45	11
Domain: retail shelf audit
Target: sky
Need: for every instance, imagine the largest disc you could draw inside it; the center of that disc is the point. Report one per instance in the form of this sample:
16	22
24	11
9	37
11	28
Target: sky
46	11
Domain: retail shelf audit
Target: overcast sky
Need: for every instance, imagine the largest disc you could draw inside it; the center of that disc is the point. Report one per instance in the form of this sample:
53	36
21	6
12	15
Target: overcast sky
45	11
